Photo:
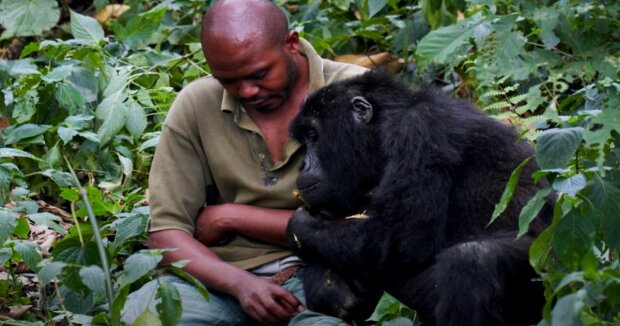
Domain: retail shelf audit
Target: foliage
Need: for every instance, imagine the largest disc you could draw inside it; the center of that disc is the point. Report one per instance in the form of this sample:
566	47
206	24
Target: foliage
96	93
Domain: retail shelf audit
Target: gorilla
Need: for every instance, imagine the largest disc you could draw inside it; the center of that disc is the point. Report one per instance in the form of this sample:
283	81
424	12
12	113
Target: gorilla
399	188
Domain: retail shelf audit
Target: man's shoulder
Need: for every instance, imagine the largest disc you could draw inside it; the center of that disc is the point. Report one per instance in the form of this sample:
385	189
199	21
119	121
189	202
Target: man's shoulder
205	86
335	71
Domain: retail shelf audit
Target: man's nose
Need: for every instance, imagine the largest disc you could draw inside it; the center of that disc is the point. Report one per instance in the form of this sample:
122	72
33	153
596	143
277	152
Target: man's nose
248	89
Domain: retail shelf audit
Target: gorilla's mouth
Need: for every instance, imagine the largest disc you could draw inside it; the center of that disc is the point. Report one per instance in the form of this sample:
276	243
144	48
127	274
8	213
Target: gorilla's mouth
309	187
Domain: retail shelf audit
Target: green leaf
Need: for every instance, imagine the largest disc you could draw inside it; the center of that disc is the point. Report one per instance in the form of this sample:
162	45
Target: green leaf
442	44
374	6
118	304
138	265
24	131
340	4
547	19
136	120
50	271
531	209
605	124
66	134
85	82
86	29
28	18
22	229
8	222
93	277
605	205
571	185
113	117
128	228
26	106
566	310
70	97
169	308
572	238
126	164
541	250
150	143
194	281
11	152
48	219
147	319
27	250
555	147
513	181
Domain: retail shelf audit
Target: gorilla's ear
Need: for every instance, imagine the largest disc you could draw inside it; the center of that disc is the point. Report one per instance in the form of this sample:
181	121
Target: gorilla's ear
362	109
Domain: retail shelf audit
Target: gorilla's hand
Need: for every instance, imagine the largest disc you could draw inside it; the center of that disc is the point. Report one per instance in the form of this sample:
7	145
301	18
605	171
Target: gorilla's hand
302	230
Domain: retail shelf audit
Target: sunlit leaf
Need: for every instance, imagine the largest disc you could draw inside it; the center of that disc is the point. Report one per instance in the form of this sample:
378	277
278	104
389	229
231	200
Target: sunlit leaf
86	29
27	18
136	120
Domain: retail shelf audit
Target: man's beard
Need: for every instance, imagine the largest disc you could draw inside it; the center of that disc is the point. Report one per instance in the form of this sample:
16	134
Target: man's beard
292	74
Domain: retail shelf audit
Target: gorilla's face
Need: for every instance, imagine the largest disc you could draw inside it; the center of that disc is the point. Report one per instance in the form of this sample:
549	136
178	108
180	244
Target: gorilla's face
338	186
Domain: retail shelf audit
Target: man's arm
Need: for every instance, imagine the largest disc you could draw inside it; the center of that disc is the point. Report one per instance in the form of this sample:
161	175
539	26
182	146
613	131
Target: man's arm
265	302
265	224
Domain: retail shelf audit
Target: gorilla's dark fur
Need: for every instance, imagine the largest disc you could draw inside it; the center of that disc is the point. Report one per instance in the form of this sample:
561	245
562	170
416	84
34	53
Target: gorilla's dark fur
428	171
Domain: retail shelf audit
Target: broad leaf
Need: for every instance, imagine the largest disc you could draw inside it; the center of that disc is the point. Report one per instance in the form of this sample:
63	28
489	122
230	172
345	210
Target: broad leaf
566	310
113	112
11	152
86	29
136	120
29	253
555	147
8	222
138	265
94	278
147	319
374	6
24	131
571	185
50	271
66	134
443	44
48	219
572	238
128	228
169	308
28	18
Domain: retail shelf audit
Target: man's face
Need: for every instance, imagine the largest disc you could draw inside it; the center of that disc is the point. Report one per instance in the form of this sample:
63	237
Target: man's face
259	74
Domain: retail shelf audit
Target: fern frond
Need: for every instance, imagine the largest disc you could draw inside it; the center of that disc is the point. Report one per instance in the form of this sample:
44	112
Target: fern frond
492	93
517	98
497	106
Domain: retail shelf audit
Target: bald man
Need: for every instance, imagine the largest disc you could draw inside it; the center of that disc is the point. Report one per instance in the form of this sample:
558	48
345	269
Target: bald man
222	179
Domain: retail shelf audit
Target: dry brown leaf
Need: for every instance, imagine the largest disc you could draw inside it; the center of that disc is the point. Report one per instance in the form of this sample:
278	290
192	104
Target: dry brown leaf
383	59
110	12
16	312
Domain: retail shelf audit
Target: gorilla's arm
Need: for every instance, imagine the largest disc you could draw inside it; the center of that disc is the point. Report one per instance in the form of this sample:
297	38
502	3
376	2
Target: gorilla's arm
406	222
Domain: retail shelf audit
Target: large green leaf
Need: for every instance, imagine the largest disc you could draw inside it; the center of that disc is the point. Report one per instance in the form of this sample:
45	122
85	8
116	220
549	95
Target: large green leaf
555	147
28	17
50	271
138	265
48	219
24	131
374	6
572	238
605	206
12	152
443	44
570	185
136	120
94	278
86	29
566	310
8	221
169	308
29	253
113	112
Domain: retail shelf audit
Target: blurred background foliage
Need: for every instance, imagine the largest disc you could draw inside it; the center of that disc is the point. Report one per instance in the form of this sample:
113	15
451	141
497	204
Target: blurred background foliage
87	84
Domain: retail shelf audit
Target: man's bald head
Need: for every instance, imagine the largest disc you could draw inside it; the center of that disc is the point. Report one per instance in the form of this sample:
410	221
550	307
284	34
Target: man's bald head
240	21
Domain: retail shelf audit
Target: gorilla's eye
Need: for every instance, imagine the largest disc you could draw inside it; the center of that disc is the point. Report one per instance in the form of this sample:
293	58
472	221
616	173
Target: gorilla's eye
311	135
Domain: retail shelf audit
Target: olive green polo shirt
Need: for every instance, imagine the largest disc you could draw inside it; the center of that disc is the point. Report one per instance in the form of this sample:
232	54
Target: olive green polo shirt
211	152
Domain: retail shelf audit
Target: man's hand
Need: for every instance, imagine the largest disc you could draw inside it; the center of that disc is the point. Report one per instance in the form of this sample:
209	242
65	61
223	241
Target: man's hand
267	303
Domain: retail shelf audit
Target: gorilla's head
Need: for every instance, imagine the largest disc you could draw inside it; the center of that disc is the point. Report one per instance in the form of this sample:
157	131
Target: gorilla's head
343	121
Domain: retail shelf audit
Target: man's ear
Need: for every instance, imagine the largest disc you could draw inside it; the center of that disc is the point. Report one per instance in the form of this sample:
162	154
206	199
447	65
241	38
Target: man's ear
292	42
362	109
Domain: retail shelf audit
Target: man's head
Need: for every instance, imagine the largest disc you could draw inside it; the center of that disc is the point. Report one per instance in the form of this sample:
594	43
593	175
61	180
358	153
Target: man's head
251	52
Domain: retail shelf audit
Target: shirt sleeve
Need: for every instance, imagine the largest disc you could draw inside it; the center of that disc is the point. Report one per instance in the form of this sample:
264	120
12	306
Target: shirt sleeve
179	173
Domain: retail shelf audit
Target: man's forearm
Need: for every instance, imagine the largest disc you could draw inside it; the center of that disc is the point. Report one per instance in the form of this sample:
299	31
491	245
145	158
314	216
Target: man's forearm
265	224
203	263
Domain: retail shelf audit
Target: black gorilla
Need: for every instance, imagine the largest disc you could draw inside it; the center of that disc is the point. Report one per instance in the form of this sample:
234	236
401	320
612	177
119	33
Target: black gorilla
427	171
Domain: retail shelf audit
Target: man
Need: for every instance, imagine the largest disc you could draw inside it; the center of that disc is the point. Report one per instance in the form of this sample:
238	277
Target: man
225	147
